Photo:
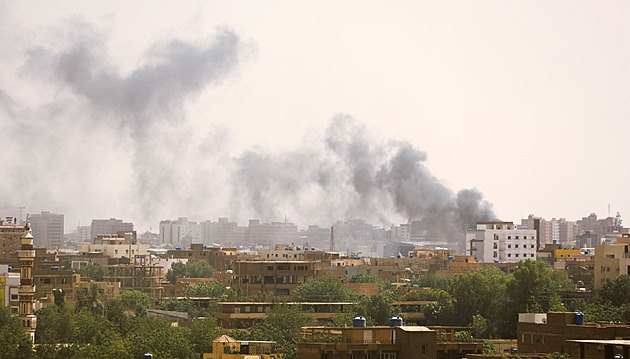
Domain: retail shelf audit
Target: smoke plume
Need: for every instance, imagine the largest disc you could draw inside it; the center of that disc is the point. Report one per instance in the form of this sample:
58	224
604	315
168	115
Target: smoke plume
100	143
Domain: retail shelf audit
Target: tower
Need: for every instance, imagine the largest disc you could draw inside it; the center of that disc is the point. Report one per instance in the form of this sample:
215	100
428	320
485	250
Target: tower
332	238
26	290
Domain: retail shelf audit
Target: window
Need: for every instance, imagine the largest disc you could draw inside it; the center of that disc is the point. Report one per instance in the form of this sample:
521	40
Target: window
516	246
47	280
532	246
495	254
531	255
424	348
387	356
516	255
269	267
509	237
509	254
509	246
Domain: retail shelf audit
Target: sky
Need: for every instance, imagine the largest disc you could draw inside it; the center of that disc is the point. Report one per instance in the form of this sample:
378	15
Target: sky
152	110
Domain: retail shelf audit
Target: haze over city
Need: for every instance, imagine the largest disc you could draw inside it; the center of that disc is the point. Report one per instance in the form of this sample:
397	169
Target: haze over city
320	111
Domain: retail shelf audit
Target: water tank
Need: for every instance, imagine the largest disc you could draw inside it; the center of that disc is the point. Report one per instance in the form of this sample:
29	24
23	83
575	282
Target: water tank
395	322
450	258
358	322
147	356
205	247
579	318
178	248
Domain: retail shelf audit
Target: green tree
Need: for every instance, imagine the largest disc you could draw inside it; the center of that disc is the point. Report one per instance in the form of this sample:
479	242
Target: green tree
201	334
135	300
430	294
14	342
364	278
89	299
432	280
189	270
326	289
214	289
55	324
282	324
378	308
615	291
93	271
156	336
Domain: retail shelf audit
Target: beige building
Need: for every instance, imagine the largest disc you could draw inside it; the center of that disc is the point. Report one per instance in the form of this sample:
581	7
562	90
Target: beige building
47	229
610	262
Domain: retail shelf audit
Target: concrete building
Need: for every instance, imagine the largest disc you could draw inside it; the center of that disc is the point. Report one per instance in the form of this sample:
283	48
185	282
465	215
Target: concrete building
180	232
267	234
610	262
84	234
109	226
501	241
47	229
225	347
221	231
121	245
10	237
393	342
276	278
219	258
247	314
555	332
9	283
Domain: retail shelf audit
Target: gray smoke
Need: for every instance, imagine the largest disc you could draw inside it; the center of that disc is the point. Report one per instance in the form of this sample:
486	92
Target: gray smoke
124	140
354	175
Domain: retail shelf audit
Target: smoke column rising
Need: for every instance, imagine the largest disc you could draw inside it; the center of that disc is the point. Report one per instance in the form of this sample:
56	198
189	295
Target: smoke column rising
122	145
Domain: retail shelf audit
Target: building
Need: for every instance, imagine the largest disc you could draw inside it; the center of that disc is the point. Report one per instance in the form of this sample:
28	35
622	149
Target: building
121	245
225	347
10	237
84	234
140	275
180	232
267	234
26	290
109	226
246	314
601	227
501	242
9	284
394	342
219	258
556	332
610	262
275	278
222	231
47	229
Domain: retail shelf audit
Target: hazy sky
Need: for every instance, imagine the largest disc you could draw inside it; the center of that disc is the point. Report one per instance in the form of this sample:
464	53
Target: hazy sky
147	110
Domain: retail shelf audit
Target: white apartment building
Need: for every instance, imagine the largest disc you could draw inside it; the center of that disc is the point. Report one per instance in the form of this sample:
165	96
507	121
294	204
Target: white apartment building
500	242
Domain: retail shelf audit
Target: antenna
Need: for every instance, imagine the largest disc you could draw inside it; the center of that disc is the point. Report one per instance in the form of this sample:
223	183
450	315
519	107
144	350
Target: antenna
609	210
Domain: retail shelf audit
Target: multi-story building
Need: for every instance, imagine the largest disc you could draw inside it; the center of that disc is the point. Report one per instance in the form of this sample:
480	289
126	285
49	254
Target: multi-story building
47	229
10	236
601	226
247	314
9	283
222	231
109	226
180	232
225	347
555	332
268	234
121	245
84	234
501	241
396	341
285	252
276	278
219	258
610	262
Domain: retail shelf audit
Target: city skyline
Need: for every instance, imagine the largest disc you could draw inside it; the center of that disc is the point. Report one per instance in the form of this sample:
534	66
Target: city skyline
146	113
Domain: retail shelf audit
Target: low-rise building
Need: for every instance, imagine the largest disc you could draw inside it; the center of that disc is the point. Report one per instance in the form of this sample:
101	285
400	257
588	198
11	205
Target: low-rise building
219	258
610	262
225	347
555	332
246	314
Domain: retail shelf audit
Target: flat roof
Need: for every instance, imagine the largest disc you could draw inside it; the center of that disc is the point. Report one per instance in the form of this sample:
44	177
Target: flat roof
289	303
602	342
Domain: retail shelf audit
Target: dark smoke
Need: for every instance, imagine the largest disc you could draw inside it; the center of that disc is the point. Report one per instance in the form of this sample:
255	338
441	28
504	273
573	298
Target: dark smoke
354	175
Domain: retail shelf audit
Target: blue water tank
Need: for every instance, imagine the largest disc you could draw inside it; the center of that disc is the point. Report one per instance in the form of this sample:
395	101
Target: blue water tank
450	258
205	247
579	318
395	322
312	248
358	322
178	248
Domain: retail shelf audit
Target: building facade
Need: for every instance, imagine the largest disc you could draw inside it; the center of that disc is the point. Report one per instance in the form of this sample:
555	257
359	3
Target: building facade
501	242
109	226
47	229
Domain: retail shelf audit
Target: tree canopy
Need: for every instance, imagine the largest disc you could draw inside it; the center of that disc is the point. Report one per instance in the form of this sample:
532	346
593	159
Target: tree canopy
189	270
326	289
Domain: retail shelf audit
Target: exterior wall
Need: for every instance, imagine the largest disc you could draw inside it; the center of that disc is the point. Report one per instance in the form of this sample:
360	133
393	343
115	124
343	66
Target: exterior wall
276	278
610	262
180	231
117	250
501	241
219	258
109	226
10	239
83	233
47	229
551	334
